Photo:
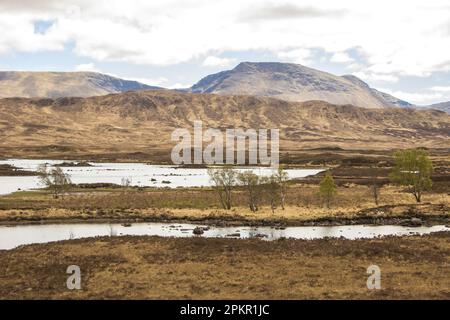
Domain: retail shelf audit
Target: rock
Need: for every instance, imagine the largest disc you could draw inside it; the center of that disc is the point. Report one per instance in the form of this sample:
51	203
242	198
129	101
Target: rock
198	231
416	222
404	222
260	235
349	185
234	235
126	224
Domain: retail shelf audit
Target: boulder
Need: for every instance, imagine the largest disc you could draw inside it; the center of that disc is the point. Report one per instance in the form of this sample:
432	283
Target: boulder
198	231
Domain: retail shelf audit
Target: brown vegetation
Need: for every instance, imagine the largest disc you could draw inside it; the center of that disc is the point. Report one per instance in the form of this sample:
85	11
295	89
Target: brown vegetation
197	268
137	125
303	205
11	171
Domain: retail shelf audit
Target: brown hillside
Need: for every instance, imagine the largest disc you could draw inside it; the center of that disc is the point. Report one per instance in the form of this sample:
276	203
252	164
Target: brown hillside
143	121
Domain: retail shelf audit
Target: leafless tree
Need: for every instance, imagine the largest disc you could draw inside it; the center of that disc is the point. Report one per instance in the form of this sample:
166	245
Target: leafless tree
374	186
223	180
272	190
281	178
252	183
54	179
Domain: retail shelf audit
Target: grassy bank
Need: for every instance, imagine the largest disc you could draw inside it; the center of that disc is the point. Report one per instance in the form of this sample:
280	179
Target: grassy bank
167	268
353	204
11	171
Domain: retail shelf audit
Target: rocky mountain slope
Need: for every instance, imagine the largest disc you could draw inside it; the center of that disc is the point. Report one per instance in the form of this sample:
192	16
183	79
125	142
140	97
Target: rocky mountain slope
143	121
294	82
443	106
63	84
387	98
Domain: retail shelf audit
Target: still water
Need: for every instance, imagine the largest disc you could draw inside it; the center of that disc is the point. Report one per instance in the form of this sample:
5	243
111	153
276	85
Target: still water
14	236
139	174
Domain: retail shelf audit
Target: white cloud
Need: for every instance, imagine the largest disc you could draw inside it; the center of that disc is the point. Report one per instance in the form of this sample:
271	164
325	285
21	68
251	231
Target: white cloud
179	86
419	98
341	57
395	38
212	61
269	11
159	82
440	89
376	77
86	67
301	56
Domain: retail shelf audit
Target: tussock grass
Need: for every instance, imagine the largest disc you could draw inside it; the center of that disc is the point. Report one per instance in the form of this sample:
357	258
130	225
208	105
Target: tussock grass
303	203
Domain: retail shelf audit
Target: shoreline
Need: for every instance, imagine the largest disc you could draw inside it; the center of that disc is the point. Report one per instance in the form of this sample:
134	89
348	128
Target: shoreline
417	220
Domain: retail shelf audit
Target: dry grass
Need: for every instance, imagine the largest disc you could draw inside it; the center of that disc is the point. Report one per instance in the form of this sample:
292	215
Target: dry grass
197	268
136	123
353	197
303	204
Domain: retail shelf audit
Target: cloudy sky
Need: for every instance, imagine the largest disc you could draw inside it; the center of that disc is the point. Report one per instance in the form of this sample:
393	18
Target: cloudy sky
400	47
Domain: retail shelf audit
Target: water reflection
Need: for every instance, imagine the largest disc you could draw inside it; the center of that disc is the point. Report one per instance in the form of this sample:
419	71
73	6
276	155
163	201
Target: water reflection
13	236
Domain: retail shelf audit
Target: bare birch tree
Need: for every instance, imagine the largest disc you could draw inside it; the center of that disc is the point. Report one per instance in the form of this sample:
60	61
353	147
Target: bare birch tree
223	180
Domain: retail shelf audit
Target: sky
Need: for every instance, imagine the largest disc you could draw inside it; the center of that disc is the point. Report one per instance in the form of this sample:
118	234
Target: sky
401	47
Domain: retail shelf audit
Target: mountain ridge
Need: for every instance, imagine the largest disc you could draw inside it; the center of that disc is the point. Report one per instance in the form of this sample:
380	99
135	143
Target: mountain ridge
306	84
29	84
142	121
294	82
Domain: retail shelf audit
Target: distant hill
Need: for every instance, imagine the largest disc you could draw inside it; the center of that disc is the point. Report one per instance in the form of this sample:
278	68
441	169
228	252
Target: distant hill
63	84
142	121
443	106
294	82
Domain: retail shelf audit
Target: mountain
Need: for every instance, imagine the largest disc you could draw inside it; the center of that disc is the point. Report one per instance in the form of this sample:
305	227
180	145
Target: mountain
387	98
294	82
142	121
443	106
63	84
